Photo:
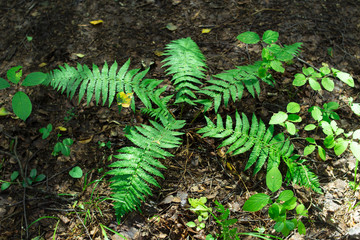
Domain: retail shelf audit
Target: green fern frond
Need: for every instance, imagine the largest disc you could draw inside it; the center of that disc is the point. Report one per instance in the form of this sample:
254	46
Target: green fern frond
230	84
102	84
137	166
287	52
186	64
246	136
298	173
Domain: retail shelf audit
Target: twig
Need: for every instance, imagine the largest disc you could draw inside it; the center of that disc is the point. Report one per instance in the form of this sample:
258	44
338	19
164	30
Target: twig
86	230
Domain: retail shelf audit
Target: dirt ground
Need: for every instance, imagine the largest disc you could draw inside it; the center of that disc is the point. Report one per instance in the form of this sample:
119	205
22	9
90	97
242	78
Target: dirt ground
62	33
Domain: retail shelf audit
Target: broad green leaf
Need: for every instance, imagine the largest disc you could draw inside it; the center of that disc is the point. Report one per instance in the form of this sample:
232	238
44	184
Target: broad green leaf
21	105
286	195
325	70
277	66
294	118
316	113
301	210
309	127
331	106
40	178
356	134
293	107
249	37
309	149
270	36
355	149
14	175
340	146
290	127
76	172
5	186
278	118
191	224
34	79
301	227
256	202
290	204
299	80
314	84
279	226
355	107
68	141
274	179
274	211
14	74
329	141
308	71
290	224
343	76
33	173
328	84
321	152
4	84
310	140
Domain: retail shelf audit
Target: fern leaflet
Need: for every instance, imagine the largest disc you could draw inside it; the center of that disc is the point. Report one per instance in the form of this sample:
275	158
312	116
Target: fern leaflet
136	167
186	64
300	174
102	84
246	136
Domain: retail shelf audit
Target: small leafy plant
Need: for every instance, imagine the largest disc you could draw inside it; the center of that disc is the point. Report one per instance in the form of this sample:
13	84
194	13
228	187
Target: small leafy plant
5	185
63	147
278	211
46	131
199	208
21	103
34	177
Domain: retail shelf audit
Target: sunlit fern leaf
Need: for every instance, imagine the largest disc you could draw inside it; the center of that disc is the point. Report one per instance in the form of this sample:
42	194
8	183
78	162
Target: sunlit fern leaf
186	64
231	84
288	52
245	136
94	83
300	174
134	172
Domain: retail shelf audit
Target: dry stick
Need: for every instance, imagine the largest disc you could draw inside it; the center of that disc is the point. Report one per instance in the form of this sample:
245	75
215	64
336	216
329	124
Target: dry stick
86	230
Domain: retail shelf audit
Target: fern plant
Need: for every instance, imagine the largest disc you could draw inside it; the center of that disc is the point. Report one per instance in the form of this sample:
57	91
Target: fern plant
102	84
263	144
136	167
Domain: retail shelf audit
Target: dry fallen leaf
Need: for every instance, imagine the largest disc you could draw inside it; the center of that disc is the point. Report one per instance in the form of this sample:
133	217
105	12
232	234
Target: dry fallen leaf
42	64
96	22
171	26
87	140
62	129
206	30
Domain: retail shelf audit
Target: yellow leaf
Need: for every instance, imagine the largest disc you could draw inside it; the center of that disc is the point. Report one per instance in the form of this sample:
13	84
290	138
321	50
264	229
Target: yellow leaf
124	99
206	30
158	53
3	112
63	129
42	64
96	22
85	141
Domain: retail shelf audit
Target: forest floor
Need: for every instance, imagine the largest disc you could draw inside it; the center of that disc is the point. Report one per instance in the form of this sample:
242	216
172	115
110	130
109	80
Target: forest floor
61	33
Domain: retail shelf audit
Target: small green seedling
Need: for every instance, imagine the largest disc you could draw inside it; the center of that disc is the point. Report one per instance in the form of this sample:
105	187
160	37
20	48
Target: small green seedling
103	144
76	172
46	131
33	177
278	209
63	147
5	185
286	120
325	114
21	103
199	208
